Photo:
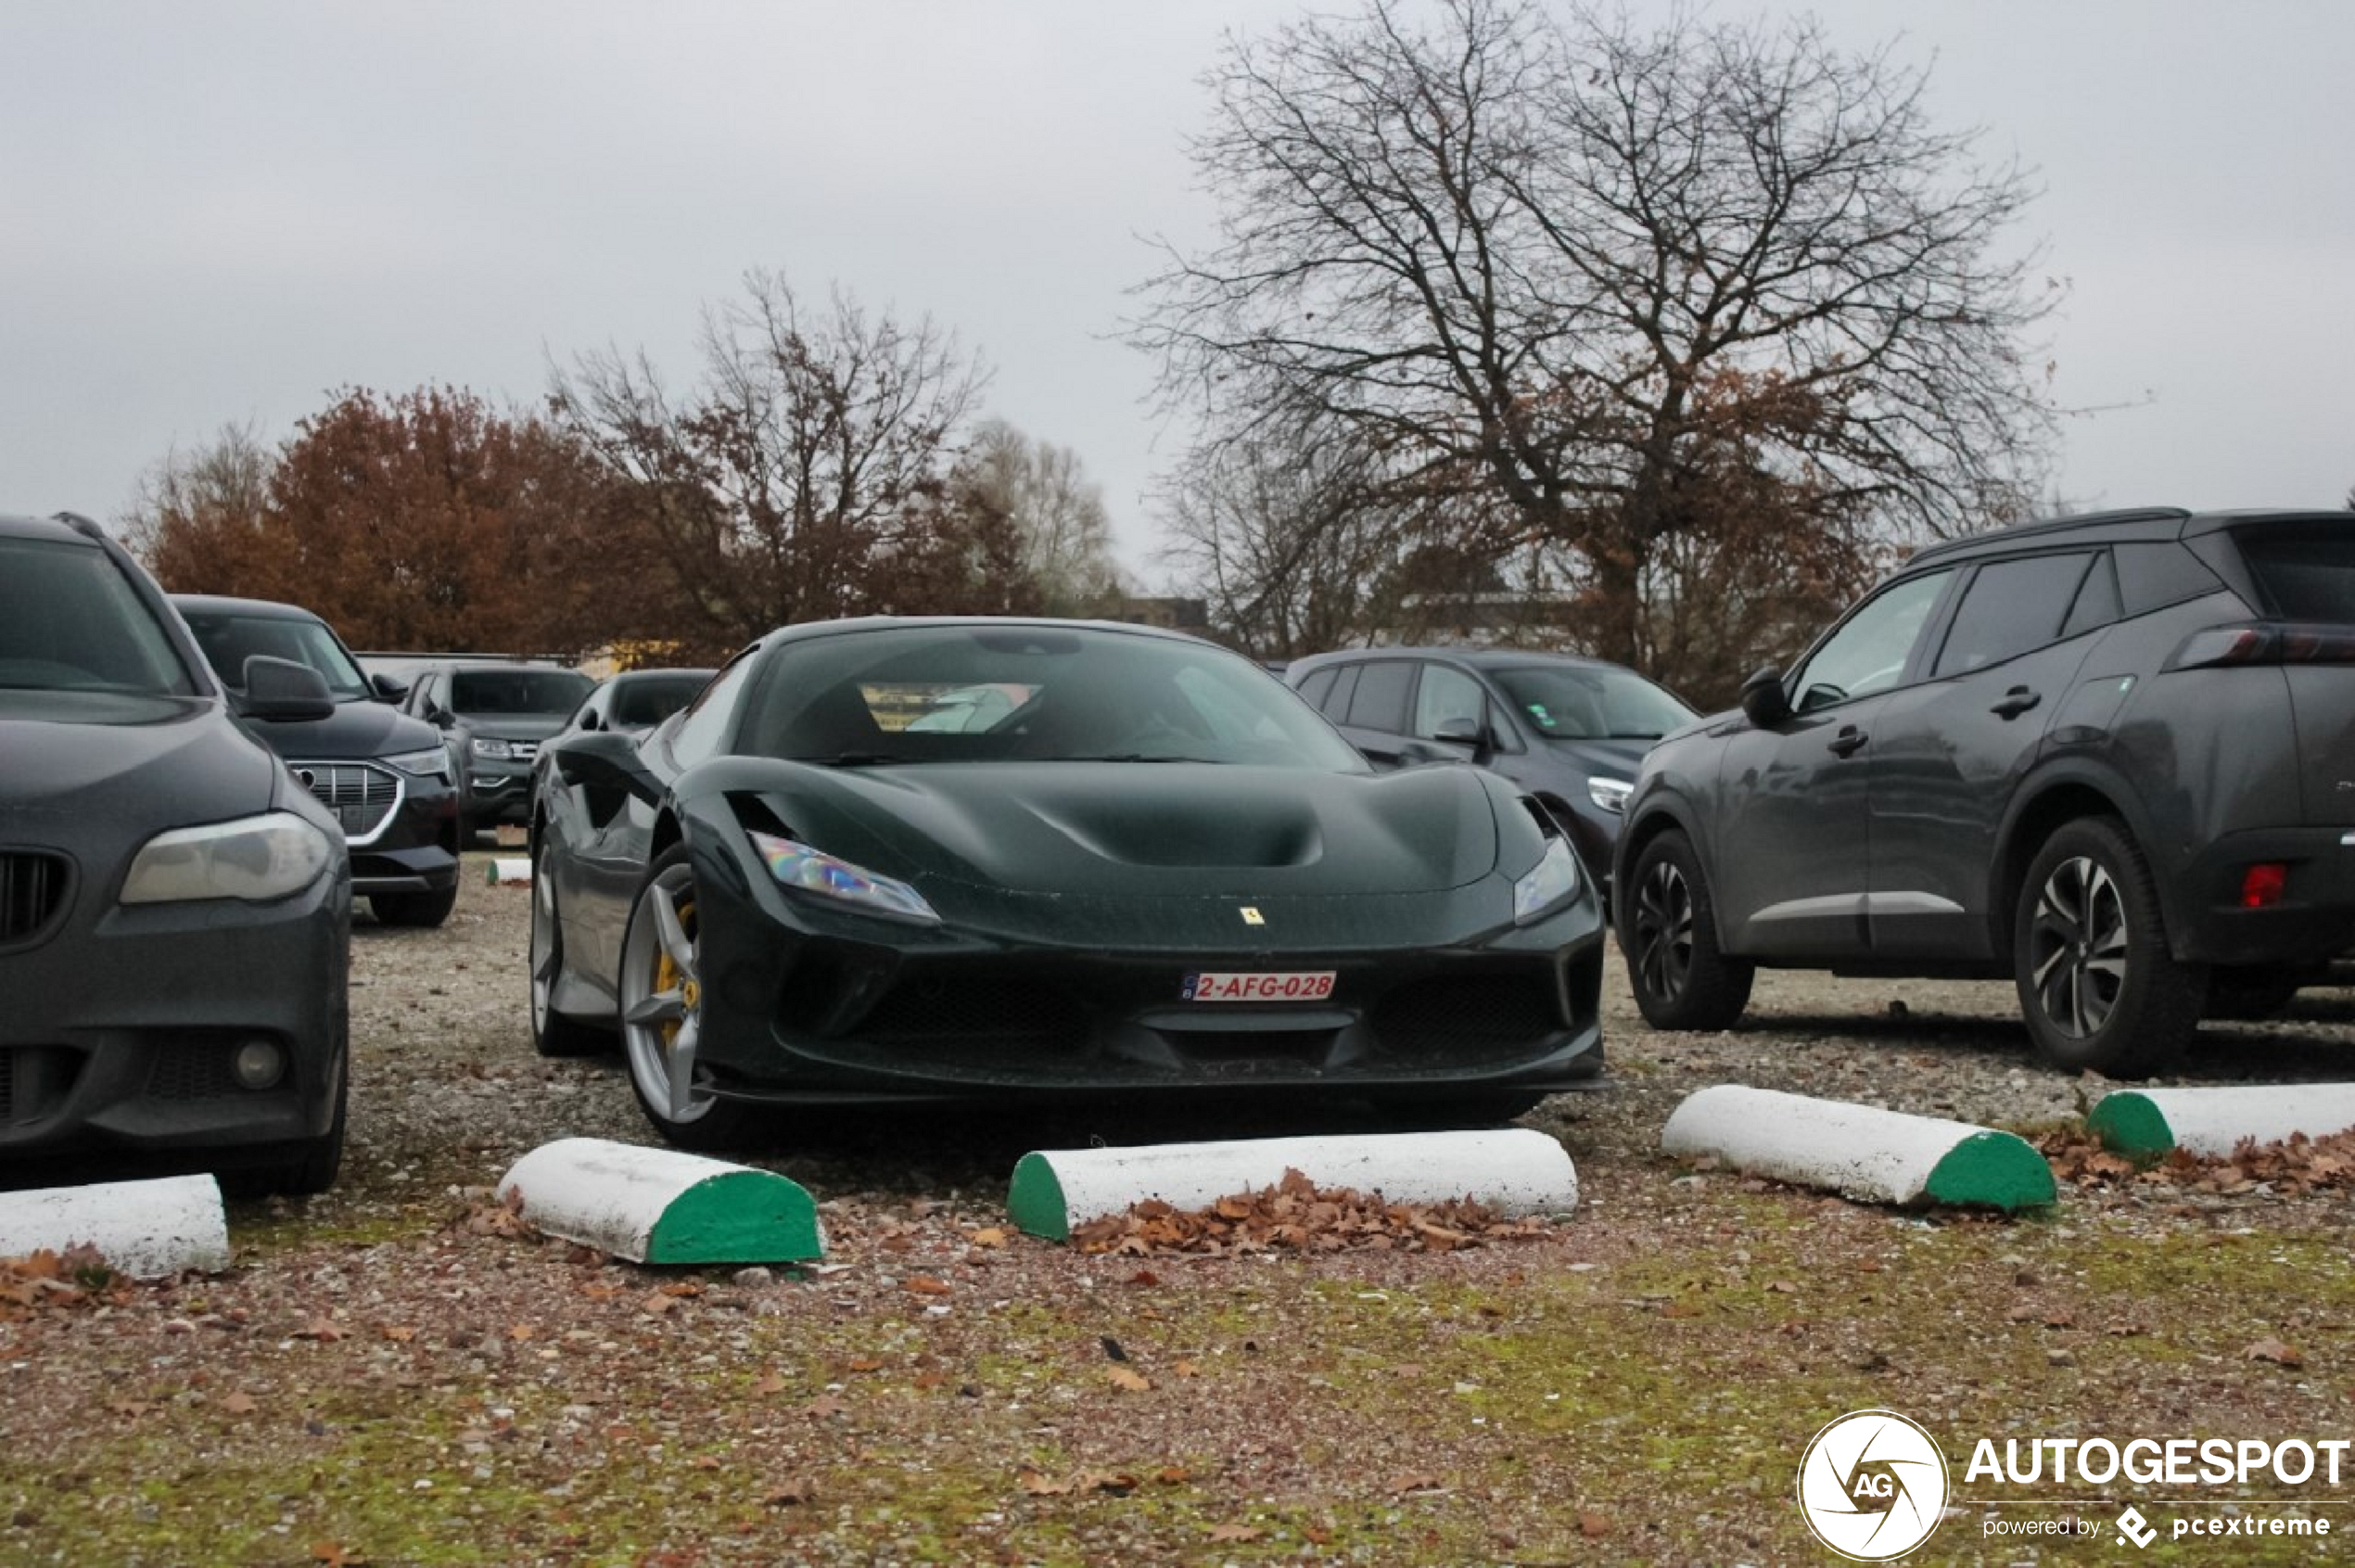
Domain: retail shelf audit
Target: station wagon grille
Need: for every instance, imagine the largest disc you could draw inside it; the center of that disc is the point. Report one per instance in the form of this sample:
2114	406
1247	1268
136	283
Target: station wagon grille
33	892
361	794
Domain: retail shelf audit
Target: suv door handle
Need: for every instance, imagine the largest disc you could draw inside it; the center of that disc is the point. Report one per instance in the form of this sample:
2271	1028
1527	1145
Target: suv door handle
2017	701
1849	741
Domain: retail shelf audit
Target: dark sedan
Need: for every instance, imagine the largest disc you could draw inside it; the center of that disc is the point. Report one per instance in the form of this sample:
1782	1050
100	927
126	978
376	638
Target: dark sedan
386	777
175	909
1569	730
1158	871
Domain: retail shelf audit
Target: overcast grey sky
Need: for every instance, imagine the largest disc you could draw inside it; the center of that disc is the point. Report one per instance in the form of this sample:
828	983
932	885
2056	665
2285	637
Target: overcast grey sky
221	213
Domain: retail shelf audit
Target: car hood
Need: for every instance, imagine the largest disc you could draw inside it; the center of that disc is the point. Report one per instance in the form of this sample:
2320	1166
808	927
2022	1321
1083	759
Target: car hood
354	730
1147	829
87	774
513	726
1617	756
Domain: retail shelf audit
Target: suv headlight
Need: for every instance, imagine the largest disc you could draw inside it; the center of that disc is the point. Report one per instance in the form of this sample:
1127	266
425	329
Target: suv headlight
434	764
799	866
492	747
255	858
1555	882
1609	793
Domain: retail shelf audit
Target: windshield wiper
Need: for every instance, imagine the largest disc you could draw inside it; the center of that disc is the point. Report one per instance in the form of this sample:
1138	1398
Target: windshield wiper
1132	757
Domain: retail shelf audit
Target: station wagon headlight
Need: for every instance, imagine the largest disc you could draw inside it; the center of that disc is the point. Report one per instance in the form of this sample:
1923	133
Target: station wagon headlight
1555	882
1609	793
434	764
811	870
493	747
254	859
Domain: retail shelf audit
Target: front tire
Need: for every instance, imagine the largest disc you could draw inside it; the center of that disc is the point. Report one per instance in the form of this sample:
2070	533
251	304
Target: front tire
661	1010
1668	933
552	1033
2098	986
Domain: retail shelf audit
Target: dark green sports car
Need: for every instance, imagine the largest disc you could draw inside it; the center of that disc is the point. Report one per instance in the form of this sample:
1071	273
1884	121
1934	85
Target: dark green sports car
1152	868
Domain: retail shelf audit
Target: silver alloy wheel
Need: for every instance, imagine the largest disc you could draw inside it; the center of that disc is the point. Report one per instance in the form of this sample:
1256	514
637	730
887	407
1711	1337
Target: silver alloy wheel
546	949
2077	947
662	998
1664	930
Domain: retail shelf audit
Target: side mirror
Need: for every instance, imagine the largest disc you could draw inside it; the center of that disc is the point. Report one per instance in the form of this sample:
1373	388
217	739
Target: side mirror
388	689
589	721
440	718
1468	731
1764	698
280	690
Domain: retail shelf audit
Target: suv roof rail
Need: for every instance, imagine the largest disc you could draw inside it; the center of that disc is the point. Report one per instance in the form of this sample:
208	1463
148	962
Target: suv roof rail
80	524
2052	524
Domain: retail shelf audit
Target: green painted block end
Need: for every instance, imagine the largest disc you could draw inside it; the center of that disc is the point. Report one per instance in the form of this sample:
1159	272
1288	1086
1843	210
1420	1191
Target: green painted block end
1991	1170
738	1216
1035	1200
2129	1123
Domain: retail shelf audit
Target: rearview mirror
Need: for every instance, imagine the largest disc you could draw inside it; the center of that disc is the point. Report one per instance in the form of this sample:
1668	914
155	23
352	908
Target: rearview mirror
282	692
1764	699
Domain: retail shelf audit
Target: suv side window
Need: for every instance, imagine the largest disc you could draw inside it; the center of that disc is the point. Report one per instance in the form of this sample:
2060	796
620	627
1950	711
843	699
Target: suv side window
1869	651
2009	608
1336	703
1446	694
1380	701
1313	690
2097	603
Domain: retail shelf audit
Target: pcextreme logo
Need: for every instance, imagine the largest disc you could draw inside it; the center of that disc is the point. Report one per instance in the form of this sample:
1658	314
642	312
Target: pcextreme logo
1872	1486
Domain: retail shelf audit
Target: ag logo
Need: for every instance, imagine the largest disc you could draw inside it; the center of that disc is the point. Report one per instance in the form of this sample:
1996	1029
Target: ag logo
1872	1486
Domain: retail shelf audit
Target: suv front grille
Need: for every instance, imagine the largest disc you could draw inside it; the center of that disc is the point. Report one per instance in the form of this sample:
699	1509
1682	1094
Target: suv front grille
361	794
33	892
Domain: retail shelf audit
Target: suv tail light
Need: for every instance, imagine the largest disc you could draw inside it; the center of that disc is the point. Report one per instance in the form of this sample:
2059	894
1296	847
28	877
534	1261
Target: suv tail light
2266	643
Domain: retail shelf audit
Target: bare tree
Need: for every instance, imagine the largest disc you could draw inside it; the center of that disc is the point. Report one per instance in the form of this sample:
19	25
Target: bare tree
1057	509
200	517
1568	255
808	460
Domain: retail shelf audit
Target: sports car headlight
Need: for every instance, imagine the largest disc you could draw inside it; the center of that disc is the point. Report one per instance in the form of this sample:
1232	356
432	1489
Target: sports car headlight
1609	793
255	858
799	866
1554	882
434	764
492	747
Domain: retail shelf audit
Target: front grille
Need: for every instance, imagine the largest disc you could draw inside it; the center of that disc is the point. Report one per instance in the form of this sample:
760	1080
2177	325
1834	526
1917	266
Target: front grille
1468	1013
33	892
361	794
192	1070
978	1009
1306	1048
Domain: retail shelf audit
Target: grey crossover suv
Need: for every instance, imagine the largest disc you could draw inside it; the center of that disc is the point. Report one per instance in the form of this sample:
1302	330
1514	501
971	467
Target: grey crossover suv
2110	757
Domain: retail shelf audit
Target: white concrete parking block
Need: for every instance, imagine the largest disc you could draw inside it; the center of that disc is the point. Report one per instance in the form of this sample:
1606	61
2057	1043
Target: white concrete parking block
1859	1151
508	870
663	1205
147	1229
2210	1121
1513	1170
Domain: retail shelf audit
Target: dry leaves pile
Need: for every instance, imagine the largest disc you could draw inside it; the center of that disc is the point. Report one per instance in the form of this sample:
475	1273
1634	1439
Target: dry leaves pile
2296	1165
1297	1215
48	1281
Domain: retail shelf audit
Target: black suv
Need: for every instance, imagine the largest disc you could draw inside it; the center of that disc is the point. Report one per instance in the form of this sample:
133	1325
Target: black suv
2111	757
1569	730
494	714
386	778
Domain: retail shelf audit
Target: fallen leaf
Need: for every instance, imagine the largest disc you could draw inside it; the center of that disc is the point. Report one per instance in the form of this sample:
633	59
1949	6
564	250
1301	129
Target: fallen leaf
1039	1484
989	1237
866	1364
2277	1352
657	1304
319	1328
924	1284
1128	1378
399	1334
790	1494
772	1384
1235	1532
521	1332
240	1404
1185	1368
1173	1475
1413	1482
1592	1526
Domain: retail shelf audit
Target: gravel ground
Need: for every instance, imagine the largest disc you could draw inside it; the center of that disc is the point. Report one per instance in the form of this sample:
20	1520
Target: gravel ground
394	1373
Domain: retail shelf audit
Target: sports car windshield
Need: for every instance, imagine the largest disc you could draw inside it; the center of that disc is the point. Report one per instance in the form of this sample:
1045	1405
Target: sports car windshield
1030	694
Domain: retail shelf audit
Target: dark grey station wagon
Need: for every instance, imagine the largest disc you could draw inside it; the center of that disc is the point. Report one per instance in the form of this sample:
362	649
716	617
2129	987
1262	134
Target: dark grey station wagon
2110	757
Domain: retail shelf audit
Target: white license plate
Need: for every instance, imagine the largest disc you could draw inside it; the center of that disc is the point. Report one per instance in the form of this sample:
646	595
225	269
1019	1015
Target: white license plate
1314	985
